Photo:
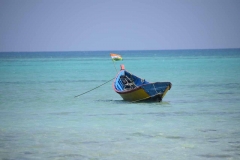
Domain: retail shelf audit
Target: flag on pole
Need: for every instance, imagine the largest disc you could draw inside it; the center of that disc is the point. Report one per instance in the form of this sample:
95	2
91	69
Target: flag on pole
116	57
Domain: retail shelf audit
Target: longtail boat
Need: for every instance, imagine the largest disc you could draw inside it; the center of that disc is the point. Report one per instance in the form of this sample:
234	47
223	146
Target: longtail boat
132	88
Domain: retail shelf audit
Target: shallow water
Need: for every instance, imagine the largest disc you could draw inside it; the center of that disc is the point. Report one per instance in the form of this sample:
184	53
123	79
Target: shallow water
199	117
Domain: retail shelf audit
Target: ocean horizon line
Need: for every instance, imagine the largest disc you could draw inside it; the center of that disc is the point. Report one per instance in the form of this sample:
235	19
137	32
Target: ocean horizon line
121	50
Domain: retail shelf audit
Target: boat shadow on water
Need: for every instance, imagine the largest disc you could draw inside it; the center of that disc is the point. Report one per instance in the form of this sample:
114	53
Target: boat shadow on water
138	102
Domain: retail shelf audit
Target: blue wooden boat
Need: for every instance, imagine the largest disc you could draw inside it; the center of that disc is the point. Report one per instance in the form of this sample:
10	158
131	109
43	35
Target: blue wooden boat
132	88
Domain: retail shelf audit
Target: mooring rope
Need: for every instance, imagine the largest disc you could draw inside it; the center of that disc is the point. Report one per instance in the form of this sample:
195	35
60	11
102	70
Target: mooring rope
94	88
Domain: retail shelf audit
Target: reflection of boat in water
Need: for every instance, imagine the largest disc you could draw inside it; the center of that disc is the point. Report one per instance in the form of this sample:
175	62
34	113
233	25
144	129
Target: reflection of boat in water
132	88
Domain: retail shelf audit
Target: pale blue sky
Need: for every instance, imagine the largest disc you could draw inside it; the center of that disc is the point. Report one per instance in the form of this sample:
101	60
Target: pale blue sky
82	25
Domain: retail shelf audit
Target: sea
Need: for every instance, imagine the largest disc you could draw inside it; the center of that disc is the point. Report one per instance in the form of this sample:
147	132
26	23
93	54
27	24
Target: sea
40	117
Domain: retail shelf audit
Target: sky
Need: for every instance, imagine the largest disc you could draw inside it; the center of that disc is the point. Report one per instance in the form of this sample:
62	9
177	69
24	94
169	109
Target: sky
92	25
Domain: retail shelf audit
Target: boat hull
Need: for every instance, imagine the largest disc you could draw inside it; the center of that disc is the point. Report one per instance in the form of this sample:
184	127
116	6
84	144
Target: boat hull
146	93
135	95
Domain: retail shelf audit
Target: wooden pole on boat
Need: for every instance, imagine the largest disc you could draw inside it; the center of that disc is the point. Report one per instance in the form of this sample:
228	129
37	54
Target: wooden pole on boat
114	65
94	88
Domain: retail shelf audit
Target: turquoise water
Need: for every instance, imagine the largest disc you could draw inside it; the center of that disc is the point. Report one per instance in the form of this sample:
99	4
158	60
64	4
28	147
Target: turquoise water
199	117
